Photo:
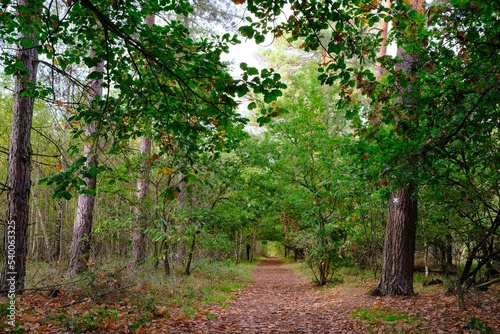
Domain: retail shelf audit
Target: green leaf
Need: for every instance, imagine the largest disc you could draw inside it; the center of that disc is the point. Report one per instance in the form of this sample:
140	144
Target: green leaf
95	75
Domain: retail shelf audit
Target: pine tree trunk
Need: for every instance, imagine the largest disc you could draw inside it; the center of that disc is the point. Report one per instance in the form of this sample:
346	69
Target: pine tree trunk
138	247
80	246
15	238
399	246
396	277
384	28
139	238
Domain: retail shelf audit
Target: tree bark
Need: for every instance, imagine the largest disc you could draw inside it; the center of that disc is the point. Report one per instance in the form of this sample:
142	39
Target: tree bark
139	238
384	28
187	271
80	246
40	232
249	252
399	247
58	232
166	259
15	239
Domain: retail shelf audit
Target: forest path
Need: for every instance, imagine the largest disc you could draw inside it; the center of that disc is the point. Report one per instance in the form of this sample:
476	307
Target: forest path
279	301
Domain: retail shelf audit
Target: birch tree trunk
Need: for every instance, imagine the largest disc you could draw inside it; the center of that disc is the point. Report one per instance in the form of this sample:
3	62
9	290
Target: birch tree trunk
15	239
139	239
80	246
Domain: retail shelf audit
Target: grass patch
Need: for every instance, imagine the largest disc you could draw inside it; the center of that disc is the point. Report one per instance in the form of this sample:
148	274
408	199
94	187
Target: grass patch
423	284
300	268
211	316
374	316
387	321
353	277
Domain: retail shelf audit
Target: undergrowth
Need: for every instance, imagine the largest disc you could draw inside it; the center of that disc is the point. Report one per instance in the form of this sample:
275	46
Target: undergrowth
386	321
348	276
114	296
351	276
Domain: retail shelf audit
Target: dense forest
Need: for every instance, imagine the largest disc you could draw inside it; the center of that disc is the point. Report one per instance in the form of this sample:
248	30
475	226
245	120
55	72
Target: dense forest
134	139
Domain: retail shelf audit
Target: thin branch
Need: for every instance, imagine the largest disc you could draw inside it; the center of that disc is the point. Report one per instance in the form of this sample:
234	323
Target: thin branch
52	141
63	73
107	23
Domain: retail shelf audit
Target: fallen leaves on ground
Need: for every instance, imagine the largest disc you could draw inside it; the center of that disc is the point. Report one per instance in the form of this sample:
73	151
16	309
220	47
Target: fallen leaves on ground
277	301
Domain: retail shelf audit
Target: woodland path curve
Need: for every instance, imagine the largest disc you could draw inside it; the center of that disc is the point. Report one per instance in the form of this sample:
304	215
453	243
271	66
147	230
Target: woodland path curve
279	301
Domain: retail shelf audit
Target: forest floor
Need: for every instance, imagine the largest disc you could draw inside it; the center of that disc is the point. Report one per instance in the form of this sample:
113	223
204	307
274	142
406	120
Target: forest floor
277	300
280	301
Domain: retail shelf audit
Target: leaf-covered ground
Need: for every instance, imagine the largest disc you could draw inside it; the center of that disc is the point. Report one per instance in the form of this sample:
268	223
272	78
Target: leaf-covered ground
279	301
276	301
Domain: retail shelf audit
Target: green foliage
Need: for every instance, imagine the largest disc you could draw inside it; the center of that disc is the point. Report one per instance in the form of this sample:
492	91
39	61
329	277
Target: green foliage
374	316
112	296
434	124
89	320
337	141
161	81
304	154
479	325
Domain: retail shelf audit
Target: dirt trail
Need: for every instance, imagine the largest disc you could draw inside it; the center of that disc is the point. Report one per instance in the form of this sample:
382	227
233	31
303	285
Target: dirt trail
279	301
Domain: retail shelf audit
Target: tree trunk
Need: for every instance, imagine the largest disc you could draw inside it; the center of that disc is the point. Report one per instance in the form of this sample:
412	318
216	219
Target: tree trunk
190	255
254	246
447	255
139	241
384	28
399	246
34	233
323	265
249	252
166	259
426	260
80	246
19	166
396	277
41	232
139	238
58	232
239	245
